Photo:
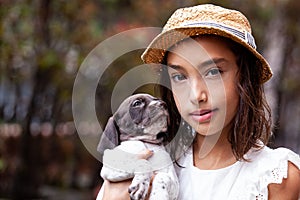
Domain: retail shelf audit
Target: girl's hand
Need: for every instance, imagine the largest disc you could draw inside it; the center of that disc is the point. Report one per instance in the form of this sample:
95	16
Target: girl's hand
116	190
119	190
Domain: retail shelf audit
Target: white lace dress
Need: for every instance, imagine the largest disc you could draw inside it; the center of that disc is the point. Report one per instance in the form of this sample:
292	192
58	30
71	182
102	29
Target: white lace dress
240	181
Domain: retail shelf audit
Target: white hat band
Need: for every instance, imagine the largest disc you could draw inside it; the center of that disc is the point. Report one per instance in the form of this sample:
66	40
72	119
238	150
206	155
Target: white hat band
246	36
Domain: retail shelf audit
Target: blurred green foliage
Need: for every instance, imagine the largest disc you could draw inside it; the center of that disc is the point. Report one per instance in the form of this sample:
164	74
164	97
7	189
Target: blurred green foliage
2	164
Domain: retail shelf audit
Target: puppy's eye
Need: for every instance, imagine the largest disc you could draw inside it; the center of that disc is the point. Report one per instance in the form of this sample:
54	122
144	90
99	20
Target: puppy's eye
137	103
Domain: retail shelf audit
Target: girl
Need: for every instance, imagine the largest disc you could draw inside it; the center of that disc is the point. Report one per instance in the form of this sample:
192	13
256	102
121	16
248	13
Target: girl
212	80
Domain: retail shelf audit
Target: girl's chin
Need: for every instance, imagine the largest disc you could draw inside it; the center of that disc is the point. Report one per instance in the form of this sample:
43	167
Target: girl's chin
206	129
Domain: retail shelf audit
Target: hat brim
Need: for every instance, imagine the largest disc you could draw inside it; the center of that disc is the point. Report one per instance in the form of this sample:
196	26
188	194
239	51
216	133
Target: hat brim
156	51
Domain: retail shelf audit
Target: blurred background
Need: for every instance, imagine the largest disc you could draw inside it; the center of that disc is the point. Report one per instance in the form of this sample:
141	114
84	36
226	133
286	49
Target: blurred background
43	43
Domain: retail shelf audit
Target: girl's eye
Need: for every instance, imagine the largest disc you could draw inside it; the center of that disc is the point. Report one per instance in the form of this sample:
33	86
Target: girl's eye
214	72
178	77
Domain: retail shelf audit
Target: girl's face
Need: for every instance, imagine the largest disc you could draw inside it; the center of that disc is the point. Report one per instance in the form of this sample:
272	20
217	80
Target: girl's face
203	75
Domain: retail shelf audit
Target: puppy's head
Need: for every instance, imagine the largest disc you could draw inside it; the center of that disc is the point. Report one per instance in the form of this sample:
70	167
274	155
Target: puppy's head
139	117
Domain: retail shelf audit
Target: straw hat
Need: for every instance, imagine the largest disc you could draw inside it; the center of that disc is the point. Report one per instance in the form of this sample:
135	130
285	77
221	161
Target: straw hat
205	19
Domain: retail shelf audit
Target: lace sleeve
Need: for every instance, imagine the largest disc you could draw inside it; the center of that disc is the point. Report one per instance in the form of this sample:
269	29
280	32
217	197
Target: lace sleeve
277	173
271	167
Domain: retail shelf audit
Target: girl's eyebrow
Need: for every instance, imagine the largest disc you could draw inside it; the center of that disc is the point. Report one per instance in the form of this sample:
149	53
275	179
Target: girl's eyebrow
214	61
176	67
207	63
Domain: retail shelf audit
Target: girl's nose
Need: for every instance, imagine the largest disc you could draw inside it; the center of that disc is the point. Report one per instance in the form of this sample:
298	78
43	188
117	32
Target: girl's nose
198	90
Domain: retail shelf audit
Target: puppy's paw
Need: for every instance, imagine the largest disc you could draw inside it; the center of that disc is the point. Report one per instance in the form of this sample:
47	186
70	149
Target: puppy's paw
163	187
139	186
115	175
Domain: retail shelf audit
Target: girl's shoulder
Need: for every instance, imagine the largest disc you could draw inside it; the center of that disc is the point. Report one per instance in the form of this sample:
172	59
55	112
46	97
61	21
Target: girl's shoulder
267	166
274	160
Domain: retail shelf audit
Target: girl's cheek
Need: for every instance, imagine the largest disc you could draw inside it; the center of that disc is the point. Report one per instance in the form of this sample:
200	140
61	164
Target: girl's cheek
177	102
181	96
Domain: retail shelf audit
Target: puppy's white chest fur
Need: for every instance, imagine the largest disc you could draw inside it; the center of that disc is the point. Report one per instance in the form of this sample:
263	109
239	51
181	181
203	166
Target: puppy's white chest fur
122	163
158	161
135	146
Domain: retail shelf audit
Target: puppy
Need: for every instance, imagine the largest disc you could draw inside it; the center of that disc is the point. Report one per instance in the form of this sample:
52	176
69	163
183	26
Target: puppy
139	123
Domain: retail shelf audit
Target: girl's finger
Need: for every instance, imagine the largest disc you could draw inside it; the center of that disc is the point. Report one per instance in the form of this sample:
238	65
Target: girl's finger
145	154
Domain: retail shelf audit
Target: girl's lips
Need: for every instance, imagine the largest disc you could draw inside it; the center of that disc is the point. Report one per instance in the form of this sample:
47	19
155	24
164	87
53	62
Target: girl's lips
202	115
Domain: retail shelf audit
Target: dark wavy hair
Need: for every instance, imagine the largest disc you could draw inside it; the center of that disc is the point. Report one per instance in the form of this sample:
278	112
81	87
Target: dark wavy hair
252	123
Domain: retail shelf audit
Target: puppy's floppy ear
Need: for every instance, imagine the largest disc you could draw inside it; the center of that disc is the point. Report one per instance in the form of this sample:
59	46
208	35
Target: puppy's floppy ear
110	136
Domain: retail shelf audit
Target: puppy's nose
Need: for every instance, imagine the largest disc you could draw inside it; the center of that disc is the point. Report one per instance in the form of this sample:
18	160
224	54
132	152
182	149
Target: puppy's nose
162	104
158	103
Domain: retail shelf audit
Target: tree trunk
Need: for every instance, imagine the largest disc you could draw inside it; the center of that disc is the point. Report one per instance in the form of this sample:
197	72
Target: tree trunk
274	53
283	100
27	179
